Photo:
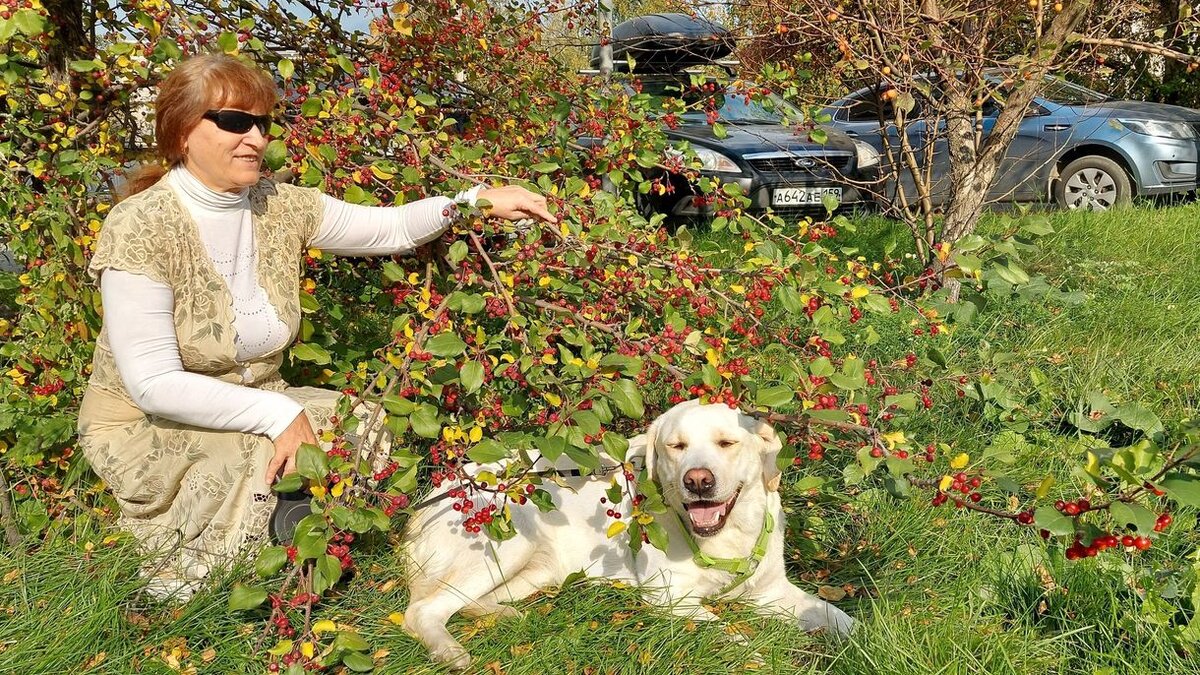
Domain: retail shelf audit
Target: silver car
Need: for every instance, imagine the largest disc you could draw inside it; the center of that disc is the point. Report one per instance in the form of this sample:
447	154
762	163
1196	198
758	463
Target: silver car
1076	146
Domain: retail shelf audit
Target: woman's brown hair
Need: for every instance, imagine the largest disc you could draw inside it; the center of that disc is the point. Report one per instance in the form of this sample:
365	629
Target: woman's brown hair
199	84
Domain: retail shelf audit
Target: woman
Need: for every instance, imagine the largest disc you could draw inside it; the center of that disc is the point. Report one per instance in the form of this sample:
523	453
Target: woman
186	418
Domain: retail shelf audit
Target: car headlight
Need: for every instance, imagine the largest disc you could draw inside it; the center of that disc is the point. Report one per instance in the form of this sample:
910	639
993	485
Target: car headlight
710	160
1159	128
867	156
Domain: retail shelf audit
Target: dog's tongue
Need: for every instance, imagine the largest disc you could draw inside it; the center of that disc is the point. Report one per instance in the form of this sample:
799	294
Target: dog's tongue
705	514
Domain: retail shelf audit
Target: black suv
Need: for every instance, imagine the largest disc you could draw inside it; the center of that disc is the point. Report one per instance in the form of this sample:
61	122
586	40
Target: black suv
761	150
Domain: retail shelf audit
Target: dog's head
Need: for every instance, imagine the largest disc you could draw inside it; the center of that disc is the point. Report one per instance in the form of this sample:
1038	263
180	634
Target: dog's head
705	456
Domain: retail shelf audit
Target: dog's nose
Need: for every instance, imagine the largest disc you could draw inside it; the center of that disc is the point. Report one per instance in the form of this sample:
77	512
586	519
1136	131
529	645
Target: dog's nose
699	481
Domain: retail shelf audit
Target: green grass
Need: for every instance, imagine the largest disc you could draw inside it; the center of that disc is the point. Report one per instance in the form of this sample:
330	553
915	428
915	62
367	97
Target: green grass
935	591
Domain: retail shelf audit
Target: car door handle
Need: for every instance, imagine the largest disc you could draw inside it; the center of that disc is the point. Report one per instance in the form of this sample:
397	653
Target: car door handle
1056	127
852	134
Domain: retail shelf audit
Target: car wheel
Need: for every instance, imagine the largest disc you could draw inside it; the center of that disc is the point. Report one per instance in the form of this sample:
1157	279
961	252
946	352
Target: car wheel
1092	184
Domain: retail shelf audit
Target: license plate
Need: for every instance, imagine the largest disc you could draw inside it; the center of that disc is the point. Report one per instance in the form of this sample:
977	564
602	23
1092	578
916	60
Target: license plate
803	196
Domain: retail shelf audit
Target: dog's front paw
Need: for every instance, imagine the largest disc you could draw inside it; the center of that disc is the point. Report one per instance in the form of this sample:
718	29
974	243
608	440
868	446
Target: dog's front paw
838	622
453	656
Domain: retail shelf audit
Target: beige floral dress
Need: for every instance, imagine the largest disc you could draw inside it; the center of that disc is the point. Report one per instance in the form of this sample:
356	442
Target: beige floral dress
197	498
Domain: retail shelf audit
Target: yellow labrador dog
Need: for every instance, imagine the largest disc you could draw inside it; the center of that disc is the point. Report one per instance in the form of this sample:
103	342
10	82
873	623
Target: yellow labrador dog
716	467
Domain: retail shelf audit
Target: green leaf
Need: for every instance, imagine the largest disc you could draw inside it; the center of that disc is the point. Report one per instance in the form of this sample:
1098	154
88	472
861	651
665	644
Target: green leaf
29	22
542	500
773	397
286	68
821	367
588	421
458	252
1049	518
289	483
1138	516
307	351
276	154
425	422
398	406
718	130
471	376
312	463
327	573
486	451
616	446
657	536
358	662
246	597
628	399
1182	488
270	560
345	64
545	167
445	344
228	42
937	357
1136	416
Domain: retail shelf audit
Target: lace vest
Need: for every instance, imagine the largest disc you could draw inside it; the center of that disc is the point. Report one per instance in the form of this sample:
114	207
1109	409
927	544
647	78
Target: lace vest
152	234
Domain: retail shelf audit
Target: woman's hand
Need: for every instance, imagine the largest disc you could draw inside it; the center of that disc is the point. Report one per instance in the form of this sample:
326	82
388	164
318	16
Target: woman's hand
288	443
513	202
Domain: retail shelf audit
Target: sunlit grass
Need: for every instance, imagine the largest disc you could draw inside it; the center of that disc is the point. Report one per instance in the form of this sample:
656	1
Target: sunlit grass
934	590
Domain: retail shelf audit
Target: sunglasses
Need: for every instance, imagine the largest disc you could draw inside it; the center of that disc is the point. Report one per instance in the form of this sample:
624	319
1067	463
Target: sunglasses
238	122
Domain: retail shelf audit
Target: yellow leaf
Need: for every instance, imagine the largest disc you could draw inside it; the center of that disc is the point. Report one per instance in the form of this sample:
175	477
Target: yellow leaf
307	649
617	527
280	649
338	489
859	292
549	359
960	461
894	438
381	174
317	491
632	260
396	618
945	483
324	626
413	278
1043	488
712	357
737	288
483	43
553	399
476	434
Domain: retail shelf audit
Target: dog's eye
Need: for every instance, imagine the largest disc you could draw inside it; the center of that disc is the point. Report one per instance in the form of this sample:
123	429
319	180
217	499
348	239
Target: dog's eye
726	443
676	446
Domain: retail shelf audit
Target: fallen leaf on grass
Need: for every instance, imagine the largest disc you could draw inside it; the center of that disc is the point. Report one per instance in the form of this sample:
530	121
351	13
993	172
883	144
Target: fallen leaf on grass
208	655
95	660
397	618
521	650
12	575
494	668
831	593
387	586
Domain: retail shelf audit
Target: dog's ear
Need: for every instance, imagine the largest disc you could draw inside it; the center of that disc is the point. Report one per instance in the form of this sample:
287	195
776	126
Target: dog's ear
646	443
771	445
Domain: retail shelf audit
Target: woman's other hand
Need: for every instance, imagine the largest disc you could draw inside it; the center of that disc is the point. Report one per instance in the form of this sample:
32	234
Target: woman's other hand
287	444
513	202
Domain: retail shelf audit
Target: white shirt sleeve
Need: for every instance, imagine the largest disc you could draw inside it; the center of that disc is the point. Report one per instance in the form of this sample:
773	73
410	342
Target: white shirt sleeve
139	320
350	229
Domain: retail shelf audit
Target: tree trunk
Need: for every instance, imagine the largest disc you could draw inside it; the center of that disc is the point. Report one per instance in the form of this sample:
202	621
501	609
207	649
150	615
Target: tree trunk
71	39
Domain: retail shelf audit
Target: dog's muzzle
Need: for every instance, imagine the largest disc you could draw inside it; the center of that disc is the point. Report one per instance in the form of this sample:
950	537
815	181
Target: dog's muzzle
708	517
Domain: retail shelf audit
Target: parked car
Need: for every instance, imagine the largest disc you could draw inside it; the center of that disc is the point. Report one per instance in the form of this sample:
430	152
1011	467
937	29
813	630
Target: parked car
775	167
1076	146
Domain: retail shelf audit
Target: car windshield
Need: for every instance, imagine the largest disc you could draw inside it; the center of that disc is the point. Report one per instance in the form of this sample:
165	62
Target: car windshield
733	106
1065	93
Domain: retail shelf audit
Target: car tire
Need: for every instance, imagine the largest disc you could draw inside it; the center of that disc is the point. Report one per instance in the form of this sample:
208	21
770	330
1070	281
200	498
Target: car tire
1093	183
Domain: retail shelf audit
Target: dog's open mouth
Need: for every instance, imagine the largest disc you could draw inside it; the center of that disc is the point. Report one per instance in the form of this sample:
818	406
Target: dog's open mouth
708	517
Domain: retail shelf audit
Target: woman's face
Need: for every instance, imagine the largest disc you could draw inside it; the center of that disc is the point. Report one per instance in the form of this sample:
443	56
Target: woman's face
223	160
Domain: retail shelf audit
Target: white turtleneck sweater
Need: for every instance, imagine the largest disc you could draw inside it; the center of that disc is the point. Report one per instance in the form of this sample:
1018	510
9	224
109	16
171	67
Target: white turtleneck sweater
139	312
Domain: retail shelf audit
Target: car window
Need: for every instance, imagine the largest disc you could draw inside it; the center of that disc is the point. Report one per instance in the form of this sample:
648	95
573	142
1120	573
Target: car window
733	105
